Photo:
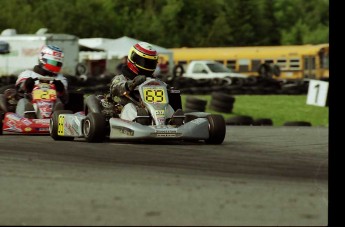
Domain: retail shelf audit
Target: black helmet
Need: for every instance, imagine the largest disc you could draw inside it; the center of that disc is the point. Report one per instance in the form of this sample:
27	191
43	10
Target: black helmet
142	59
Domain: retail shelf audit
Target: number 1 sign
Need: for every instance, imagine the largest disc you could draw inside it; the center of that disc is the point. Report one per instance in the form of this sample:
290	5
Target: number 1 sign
317	93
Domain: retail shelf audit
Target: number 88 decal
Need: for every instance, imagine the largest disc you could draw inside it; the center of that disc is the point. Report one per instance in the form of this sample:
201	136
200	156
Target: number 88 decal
154	95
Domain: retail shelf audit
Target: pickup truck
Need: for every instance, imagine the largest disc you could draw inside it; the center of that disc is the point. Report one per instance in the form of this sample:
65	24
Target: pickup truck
207	70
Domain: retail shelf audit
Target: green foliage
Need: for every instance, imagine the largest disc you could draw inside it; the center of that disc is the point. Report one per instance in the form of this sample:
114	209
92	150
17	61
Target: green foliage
176	23
279	108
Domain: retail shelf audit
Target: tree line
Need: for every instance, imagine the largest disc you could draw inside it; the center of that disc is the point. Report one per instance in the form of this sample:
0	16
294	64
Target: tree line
176	23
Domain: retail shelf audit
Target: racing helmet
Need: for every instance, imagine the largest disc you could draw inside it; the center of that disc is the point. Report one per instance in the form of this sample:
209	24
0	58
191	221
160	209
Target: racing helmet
51	58
142	59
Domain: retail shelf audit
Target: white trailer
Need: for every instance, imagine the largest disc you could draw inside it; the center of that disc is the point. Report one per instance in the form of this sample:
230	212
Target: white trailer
24	49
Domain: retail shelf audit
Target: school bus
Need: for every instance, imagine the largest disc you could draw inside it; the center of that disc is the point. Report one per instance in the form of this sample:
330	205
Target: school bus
288	62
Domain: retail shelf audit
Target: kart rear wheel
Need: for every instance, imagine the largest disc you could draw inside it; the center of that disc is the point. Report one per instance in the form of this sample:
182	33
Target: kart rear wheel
216	128
54	125
94	127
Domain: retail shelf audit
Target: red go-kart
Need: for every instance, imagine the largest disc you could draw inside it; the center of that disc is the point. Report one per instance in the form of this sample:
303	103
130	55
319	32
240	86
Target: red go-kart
36	119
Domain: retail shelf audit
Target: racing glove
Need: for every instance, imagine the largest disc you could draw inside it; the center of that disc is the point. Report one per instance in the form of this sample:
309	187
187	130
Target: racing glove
59	85
131	84
29	84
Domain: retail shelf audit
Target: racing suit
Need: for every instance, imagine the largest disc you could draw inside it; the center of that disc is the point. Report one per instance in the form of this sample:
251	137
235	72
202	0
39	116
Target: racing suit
26	82
121	84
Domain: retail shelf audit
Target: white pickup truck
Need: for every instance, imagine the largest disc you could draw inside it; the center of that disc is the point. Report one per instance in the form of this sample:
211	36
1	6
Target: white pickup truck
207	70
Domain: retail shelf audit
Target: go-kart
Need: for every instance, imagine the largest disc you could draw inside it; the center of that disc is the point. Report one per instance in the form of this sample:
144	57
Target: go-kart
37	116
103	119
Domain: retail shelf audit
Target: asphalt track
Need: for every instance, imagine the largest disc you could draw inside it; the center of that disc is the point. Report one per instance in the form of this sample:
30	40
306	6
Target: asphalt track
260	175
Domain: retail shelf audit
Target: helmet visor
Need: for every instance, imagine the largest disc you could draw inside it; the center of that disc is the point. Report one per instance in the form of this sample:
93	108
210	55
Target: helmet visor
144	63
54	63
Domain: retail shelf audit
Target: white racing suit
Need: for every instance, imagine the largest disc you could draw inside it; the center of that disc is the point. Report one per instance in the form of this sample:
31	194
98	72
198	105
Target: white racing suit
20	109
129	112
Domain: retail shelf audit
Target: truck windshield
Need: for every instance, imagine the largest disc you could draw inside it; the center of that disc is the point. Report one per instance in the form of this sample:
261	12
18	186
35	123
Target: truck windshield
218	68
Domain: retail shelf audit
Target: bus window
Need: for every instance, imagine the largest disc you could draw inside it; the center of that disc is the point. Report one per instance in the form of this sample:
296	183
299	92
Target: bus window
243	65
309	62
295	64
243	68
255	65
269	61
220	61
231	64
324	58
281	62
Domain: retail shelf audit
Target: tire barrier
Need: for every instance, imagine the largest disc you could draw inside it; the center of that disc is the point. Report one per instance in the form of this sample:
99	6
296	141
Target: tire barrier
195	105
240	120
263	122
222	102
297	123
253	85
256	85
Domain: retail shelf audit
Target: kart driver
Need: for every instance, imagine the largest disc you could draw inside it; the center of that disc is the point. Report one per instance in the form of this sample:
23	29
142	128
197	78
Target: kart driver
141	63
50	61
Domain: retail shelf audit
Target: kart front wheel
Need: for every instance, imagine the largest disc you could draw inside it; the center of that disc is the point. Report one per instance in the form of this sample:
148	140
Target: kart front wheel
54	126
94	127
216	128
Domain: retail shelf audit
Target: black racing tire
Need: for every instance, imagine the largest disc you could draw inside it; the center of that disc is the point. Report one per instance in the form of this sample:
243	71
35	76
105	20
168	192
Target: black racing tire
240	120
251	80
220	103
226	81
80	69
263	122
234	90
217	129
94	127
223	97
193	106
54	125
2	115
239	81
297	123
265	70
196	101
221	109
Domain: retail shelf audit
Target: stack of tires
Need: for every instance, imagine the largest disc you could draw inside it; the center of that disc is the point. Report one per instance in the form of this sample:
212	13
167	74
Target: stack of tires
240	120
297	123
222	102
194	104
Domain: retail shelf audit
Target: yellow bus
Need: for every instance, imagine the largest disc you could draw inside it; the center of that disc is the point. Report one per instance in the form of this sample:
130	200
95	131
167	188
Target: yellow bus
288	62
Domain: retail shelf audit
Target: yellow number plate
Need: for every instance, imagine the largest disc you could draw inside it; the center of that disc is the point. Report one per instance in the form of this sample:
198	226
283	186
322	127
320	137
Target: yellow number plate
61	121
154	95
44	94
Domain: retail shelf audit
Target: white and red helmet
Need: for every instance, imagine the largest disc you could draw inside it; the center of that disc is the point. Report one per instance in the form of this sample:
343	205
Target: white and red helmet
142	59
51	58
